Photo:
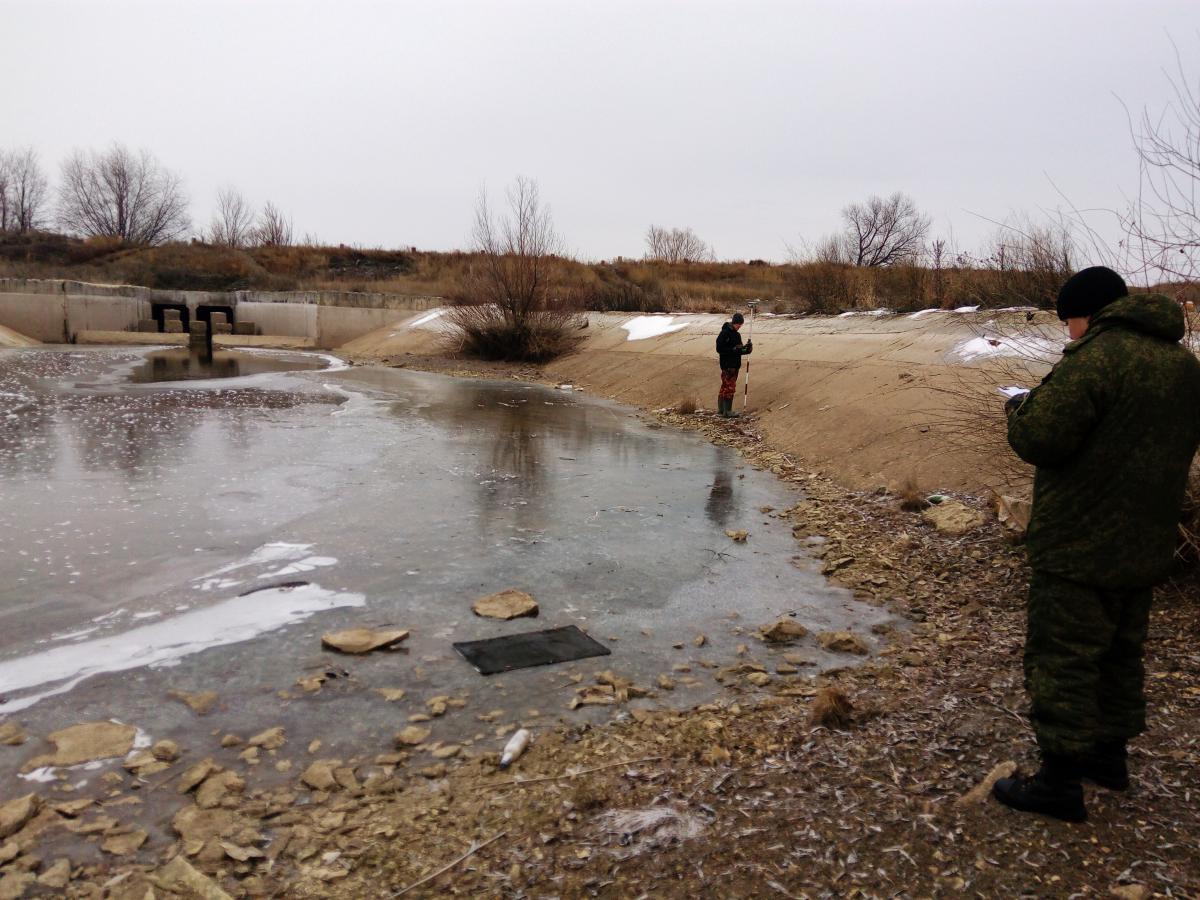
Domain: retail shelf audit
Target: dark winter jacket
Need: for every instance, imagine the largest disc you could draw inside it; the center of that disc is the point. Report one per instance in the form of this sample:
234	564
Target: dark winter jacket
1112	430
729	347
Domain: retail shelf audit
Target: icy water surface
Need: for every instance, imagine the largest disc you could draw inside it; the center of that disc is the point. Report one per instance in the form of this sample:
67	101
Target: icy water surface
146	529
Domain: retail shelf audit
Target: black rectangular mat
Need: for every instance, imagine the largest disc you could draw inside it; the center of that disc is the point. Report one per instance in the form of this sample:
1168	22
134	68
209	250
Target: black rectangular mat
533	648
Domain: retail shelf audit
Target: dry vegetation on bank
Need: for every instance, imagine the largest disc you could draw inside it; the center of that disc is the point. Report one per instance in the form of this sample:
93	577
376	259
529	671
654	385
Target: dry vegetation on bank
618	285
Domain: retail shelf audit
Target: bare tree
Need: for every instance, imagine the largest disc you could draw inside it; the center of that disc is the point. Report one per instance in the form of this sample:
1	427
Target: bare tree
515	250
5	180
506	310
676	245
119	194
884	232
1162	224
274	229
23	189
233	222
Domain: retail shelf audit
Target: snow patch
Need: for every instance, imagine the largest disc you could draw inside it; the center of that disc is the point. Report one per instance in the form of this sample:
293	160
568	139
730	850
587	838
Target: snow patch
425	319
642	327
1013	391
165	643
863	312
1029	347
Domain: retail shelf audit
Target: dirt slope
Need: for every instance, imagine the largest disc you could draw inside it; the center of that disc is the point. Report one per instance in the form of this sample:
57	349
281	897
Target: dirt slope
865	398
10	338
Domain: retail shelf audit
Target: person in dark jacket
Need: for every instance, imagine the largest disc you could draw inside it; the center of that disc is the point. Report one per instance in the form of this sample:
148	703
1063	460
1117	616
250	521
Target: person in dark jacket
1112	431
730	352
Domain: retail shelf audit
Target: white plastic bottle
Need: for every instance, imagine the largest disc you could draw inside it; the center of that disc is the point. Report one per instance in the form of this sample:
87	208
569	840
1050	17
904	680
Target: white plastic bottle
515	747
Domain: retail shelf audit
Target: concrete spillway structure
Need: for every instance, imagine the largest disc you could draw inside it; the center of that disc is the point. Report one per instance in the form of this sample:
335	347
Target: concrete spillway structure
56	311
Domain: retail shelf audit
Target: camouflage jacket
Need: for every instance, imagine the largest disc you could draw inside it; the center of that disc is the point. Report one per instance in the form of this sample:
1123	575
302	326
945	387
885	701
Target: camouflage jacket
1112	430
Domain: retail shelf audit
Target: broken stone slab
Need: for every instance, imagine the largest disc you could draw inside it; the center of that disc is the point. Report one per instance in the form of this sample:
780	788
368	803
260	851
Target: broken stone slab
1014	513
412	735
57	875
196	773
85	743
200	703
953	518
843	642
143	763
14	884
12	735
271	739
363	640
16	813
319	775
124	844
180	876
391	694
217	787
166	751
510	604
739	536
784	631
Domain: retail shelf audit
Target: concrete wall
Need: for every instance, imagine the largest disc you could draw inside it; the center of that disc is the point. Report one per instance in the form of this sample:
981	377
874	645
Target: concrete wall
55	311
40	316
293	319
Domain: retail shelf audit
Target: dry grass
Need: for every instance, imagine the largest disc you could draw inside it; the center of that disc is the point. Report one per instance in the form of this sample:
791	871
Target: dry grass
831	708
484	331
912	498
685	407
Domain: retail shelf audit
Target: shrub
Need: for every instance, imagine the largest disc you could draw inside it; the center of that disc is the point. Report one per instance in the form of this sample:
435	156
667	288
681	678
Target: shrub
488	332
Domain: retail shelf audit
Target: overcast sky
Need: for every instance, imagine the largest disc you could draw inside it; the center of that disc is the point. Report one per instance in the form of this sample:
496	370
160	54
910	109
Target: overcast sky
752	122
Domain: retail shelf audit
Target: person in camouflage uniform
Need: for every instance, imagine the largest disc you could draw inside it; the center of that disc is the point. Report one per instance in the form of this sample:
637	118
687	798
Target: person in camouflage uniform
1112	431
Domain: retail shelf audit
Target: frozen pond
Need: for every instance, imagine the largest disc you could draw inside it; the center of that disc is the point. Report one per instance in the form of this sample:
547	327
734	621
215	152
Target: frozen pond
144	526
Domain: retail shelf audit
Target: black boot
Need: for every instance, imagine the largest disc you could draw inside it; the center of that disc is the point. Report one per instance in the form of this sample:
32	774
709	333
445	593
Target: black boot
1054	791
1107	765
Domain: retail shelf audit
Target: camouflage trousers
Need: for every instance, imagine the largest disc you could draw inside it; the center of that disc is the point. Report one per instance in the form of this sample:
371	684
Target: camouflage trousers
728	384
1083	663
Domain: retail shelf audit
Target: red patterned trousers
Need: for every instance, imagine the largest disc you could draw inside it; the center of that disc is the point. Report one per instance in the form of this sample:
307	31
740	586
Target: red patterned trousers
728	384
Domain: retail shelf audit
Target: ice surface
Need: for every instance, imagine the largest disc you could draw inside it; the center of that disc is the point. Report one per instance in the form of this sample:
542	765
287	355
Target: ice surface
642	327
163	643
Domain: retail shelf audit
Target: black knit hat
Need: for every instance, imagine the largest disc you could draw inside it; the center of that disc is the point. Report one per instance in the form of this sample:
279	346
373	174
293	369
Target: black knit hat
737	319
1088	291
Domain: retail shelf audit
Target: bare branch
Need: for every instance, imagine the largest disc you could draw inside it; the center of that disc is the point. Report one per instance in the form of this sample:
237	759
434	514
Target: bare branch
118	194
233	222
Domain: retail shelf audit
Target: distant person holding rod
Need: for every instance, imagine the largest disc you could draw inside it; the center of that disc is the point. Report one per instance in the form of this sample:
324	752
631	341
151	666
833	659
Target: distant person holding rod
730	352
1112	431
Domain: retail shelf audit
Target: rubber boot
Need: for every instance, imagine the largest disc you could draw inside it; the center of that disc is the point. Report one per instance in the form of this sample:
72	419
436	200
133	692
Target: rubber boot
721	406
1053	791
729	413
1107	765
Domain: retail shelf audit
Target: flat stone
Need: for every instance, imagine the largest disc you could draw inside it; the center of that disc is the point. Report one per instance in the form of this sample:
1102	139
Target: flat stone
737	536
271	739
167	751
216	787
950	517
200	703
14	885
505	605
363	640
391	694
196	773
57	875
84	743
179	875
16	813
12	735
843	642
412	735
784	631
124	844
319	775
